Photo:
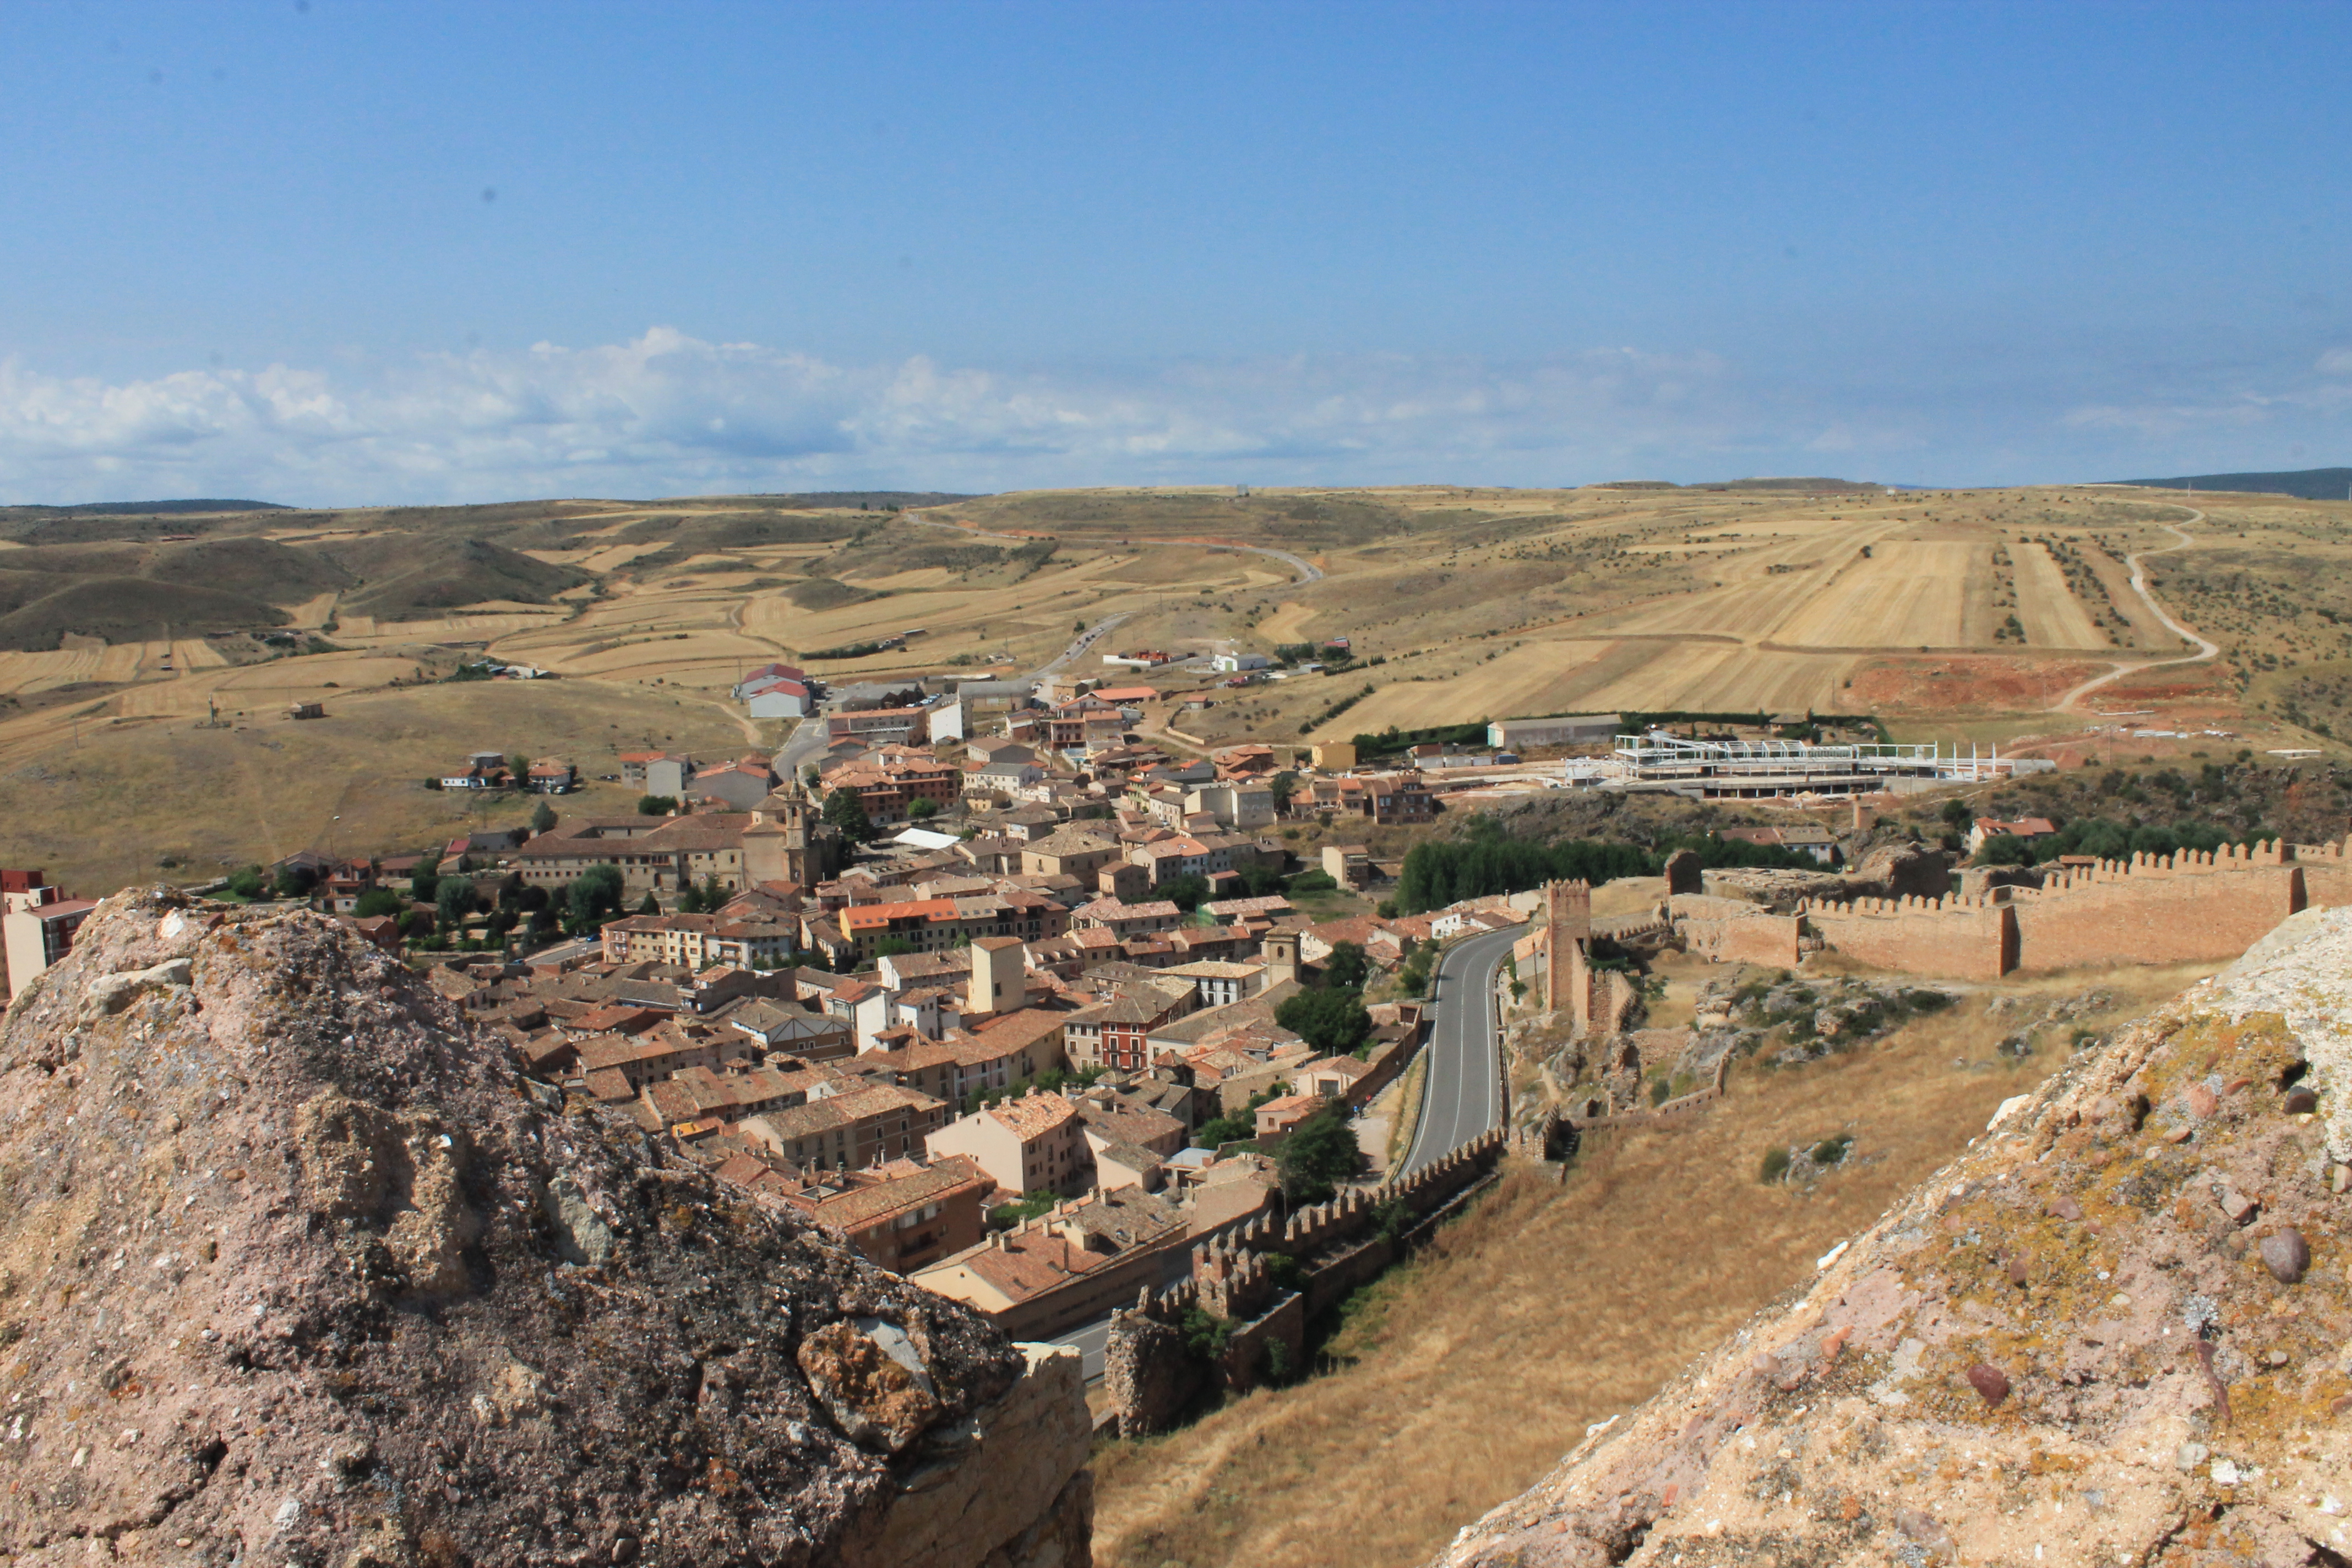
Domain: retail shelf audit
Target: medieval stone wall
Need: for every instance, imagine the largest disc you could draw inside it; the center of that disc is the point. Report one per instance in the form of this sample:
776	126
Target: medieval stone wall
1731	931
1151	1377
2192	906
2155	913
1951	938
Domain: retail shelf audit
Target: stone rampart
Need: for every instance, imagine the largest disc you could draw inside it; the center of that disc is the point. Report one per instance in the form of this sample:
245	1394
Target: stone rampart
2326	874
1731	931
2155	911
2191	907
1953	938
1150	1374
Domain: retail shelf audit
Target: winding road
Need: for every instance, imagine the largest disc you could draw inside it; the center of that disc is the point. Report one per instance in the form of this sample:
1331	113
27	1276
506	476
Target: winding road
1462	1093
2140	586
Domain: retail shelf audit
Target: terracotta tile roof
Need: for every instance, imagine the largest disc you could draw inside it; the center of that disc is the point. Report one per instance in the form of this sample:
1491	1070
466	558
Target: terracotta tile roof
1033	1115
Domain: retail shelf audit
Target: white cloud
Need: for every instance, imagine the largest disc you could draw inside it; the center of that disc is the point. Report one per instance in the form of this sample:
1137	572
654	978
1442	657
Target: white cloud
2336	361
668	414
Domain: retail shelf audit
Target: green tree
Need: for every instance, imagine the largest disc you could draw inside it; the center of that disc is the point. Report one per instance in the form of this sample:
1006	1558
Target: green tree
2004	850
649	905
1318	1154
844	810
689	901
296	881
1187	893
594	893
1333	1022
423	881
923	810
1347	968
377	901
1261	881
656	804
247	882
1958	813
542	817
1283	785
453	900
893	947
714	897
518	764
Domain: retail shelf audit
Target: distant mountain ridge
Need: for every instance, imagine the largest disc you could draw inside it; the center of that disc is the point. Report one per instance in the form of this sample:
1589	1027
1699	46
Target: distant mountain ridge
145	508
2310	484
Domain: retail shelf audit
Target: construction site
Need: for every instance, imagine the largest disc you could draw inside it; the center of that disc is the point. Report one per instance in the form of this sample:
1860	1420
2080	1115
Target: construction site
1661	762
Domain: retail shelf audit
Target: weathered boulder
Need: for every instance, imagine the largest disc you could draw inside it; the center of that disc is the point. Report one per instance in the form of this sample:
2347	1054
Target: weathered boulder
294	1268
2118	1330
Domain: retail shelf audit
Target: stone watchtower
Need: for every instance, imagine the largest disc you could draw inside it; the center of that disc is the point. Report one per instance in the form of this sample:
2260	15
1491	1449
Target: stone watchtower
1568	937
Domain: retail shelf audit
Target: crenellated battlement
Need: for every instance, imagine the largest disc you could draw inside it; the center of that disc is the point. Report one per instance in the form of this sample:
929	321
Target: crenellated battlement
2189	906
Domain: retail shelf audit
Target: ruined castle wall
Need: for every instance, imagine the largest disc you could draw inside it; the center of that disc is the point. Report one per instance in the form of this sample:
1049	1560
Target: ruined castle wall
2156	914
1615	1000
1943	937
1249	1352
2326	874
1751	938
2187	907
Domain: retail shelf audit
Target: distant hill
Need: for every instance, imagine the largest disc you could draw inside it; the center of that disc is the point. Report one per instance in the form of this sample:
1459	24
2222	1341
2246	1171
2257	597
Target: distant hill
820	500
147	507
130	592
1795	486
401	577
2310	484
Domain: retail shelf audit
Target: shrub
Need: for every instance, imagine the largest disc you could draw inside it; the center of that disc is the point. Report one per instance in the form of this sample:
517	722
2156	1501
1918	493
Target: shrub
1205	1333
246	883
1832	1150
656	804
1776	1164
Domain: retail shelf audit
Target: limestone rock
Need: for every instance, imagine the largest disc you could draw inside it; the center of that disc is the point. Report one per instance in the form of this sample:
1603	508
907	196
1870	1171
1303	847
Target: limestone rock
1979	1379
871	1397
294	1270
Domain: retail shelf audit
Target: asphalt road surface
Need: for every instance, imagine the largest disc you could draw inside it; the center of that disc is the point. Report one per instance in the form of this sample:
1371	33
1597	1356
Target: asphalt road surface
1462	1095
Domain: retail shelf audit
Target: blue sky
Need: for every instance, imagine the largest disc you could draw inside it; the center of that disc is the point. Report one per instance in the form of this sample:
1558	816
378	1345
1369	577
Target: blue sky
363	250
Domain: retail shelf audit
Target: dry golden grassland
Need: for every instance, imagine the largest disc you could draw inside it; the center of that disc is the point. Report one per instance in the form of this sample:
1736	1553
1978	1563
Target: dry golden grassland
135	792
1550	1308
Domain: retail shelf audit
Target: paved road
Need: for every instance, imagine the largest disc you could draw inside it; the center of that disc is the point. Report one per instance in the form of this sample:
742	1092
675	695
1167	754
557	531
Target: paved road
803	747
1462	1095
1086	639
2140	586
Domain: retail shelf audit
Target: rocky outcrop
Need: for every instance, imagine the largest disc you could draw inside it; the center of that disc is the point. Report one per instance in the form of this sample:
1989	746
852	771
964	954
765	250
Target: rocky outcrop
294	1270
2118	1330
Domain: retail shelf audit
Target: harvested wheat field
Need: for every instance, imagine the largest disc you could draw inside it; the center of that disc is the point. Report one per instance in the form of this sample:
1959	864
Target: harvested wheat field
1550	1308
